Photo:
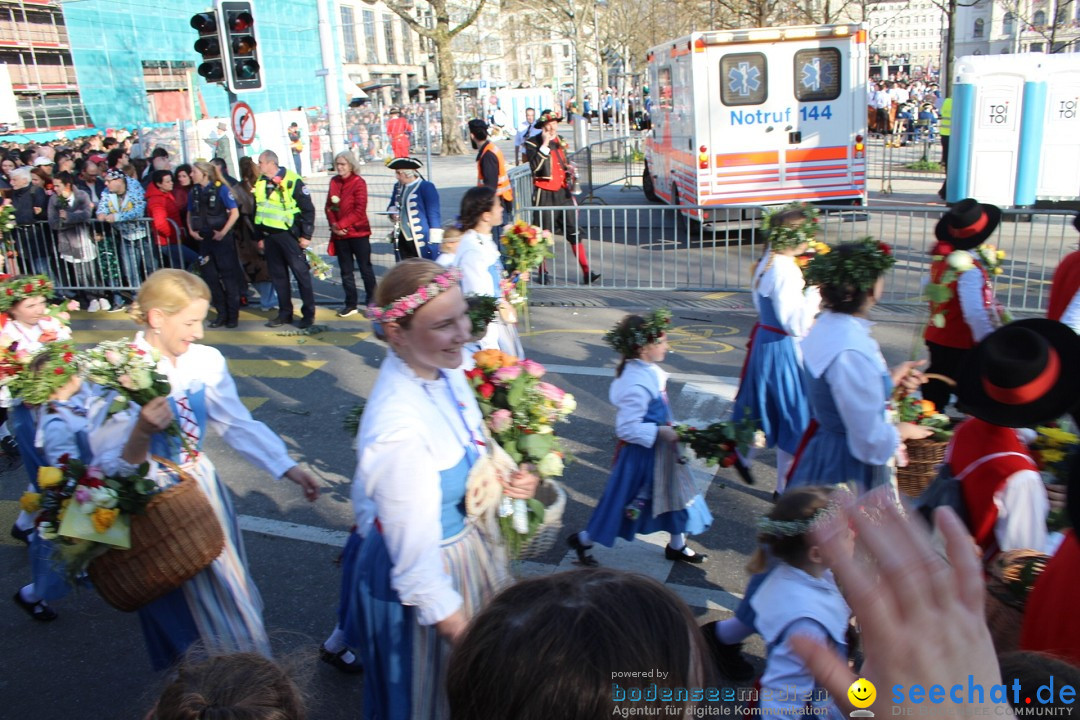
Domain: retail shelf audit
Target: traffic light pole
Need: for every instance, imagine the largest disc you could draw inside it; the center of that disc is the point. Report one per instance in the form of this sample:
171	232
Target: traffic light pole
236	138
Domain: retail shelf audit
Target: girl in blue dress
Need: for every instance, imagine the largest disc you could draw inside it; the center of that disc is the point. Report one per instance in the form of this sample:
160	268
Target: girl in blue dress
851	438
642	420
429	563
772	389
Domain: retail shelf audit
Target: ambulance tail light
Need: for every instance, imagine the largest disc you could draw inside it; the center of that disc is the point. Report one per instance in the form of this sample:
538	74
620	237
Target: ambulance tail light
860	149
699	45
703	157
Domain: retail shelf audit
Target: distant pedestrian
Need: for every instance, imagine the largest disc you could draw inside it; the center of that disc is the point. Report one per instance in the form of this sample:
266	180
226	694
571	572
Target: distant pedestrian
399	132
297	147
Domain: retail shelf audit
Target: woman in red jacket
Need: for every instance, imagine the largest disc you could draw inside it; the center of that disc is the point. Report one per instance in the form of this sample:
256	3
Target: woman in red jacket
350	231
161	207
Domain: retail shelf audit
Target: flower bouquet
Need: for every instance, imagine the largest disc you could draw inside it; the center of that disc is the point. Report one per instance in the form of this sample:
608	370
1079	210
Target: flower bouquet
717	443
319	267
85	510
7	232
925	455
482	312
915	410
525	247
132	372
814	247
1052	448
521	411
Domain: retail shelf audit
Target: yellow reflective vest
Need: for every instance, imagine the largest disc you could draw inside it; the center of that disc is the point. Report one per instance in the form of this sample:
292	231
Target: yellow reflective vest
945	122
279	210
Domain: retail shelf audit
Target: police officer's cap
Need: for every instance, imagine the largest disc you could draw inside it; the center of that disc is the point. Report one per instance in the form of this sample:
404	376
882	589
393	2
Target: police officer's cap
404	164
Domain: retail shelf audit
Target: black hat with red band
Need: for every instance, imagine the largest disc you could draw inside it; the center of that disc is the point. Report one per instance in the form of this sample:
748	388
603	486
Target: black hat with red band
968	224
1022	374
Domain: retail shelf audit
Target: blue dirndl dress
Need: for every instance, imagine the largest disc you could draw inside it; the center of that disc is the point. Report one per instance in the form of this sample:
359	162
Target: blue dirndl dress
405	662
772	389
632	474
824	457
221	606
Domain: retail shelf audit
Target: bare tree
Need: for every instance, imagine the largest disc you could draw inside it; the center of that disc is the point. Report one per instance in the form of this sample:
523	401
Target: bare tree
950	8
1047	22
441	36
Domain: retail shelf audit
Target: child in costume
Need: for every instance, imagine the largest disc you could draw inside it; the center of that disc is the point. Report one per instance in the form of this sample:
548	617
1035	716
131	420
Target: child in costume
798	597
850	438
643	421
772	388
1021	375
970	313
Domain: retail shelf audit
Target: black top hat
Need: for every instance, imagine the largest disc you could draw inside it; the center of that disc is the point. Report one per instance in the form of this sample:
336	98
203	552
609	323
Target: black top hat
404	164
1022	374
478	126
968	224
546	117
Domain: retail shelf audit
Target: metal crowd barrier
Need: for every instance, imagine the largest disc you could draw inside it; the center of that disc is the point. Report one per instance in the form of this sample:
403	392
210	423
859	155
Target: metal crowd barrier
659	248
114	257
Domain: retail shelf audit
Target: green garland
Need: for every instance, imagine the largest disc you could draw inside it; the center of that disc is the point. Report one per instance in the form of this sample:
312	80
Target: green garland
782	235
36	387
14	290
858	265
482	311
628	341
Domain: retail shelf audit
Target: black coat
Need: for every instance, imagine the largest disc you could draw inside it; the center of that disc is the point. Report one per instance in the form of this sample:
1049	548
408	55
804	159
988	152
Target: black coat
25	200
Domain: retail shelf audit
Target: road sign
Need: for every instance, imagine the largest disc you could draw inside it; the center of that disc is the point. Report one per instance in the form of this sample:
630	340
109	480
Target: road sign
243	123
483	84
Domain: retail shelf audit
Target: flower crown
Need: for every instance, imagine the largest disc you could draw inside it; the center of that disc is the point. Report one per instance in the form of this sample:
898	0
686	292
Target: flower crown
628	341
547	116
782	236
793	528
35	387
858	264
14	290
405	306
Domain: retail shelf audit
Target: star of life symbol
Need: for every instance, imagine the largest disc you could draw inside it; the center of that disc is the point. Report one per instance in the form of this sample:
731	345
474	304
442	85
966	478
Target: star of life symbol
744	79
815	74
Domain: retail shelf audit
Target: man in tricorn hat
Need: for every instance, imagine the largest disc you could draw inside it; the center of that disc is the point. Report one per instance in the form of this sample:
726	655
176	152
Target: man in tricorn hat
552	184
415	202
399	132
963	309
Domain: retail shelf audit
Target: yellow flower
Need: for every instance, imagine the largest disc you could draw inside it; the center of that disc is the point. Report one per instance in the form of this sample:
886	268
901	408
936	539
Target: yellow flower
30	502
1052	456
1057	436
998	271
488	360
49	476
103	518
1000	254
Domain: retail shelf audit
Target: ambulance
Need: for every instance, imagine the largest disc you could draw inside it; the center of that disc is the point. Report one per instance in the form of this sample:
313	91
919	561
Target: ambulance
758	117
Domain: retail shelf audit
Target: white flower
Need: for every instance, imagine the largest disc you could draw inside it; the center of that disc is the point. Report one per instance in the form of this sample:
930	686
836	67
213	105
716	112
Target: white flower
568	405
104	497
142	377
335	199
960	260
551	465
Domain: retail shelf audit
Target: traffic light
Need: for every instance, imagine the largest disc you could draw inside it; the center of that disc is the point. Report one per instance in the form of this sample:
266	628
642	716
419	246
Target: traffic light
208	46
243	71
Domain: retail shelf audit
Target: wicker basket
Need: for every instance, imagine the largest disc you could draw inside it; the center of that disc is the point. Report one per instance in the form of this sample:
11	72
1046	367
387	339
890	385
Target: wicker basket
924	457
174	539
1011	575
552	495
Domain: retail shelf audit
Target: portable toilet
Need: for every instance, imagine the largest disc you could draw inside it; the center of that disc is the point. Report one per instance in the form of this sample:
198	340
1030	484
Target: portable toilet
1058	146
988	101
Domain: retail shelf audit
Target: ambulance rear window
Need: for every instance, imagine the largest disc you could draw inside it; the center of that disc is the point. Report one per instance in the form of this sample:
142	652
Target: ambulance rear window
817	74
663	81
744	79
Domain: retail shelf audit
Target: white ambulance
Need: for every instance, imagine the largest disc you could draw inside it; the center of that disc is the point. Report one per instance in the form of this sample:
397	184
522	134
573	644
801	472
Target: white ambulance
758	117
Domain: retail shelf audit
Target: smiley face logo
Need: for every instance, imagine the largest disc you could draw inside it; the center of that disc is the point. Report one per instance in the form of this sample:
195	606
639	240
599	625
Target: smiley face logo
862	693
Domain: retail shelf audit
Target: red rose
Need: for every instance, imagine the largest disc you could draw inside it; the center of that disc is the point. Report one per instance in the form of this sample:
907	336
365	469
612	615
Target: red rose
58	371
10	291
486	390
728	461
41	283
68	357
28	287
884	248
64	459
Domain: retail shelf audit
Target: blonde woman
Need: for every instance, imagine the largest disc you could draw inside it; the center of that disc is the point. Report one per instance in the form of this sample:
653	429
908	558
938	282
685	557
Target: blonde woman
220	607
212	213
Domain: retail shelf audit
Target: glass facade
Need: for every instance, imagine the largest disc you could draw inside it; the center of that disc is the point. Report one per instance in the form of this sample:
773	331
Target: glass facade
348	34
113	41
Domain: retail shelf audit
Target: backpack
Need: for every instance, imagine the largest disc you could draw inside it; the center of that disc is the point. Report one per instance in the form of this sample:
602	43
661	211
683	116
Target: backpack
945	489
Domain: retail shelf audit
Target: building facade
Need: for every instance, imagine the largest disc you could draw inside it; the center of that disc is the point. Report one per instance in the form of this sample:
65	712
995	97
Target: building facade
383	59
1012	26
35	57
905	36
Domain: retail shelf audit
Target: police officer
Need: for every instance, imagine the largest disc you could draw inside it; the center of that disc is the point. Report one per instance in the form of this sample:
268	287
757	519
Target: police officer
284	222
212	212
491	170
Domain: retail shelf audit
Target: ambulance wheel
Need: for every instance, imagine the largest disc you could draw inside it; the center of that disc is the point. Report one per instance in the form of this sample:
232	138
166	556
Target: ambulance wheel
648	187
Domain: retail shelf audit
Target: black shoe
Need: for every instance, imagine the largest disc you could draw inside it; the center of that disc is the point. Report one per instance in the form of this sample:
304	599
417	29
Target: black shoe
775	495
729	658
9	447
305	323
218	322
583	557
590	278
338	662
543	278
40	610
346	312
278	322
743	470
232	324
682	555
21	535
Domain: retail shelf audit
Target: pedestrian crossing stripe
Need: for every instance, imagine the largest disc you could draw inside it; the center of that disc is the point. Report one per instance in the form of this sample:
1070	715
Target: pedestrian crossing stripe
253	403
292	369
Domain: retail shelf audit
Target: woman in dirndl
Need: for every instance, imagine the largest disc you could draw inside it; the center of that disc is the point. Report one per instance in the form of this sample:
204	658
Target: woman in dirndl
851	438
481	266
220	607
772	388
635	501
427	566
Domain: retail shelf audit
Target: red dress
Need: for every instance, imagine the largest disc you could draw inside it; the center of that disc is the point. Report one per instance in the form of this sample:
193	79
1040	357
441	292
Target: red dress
1051	623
